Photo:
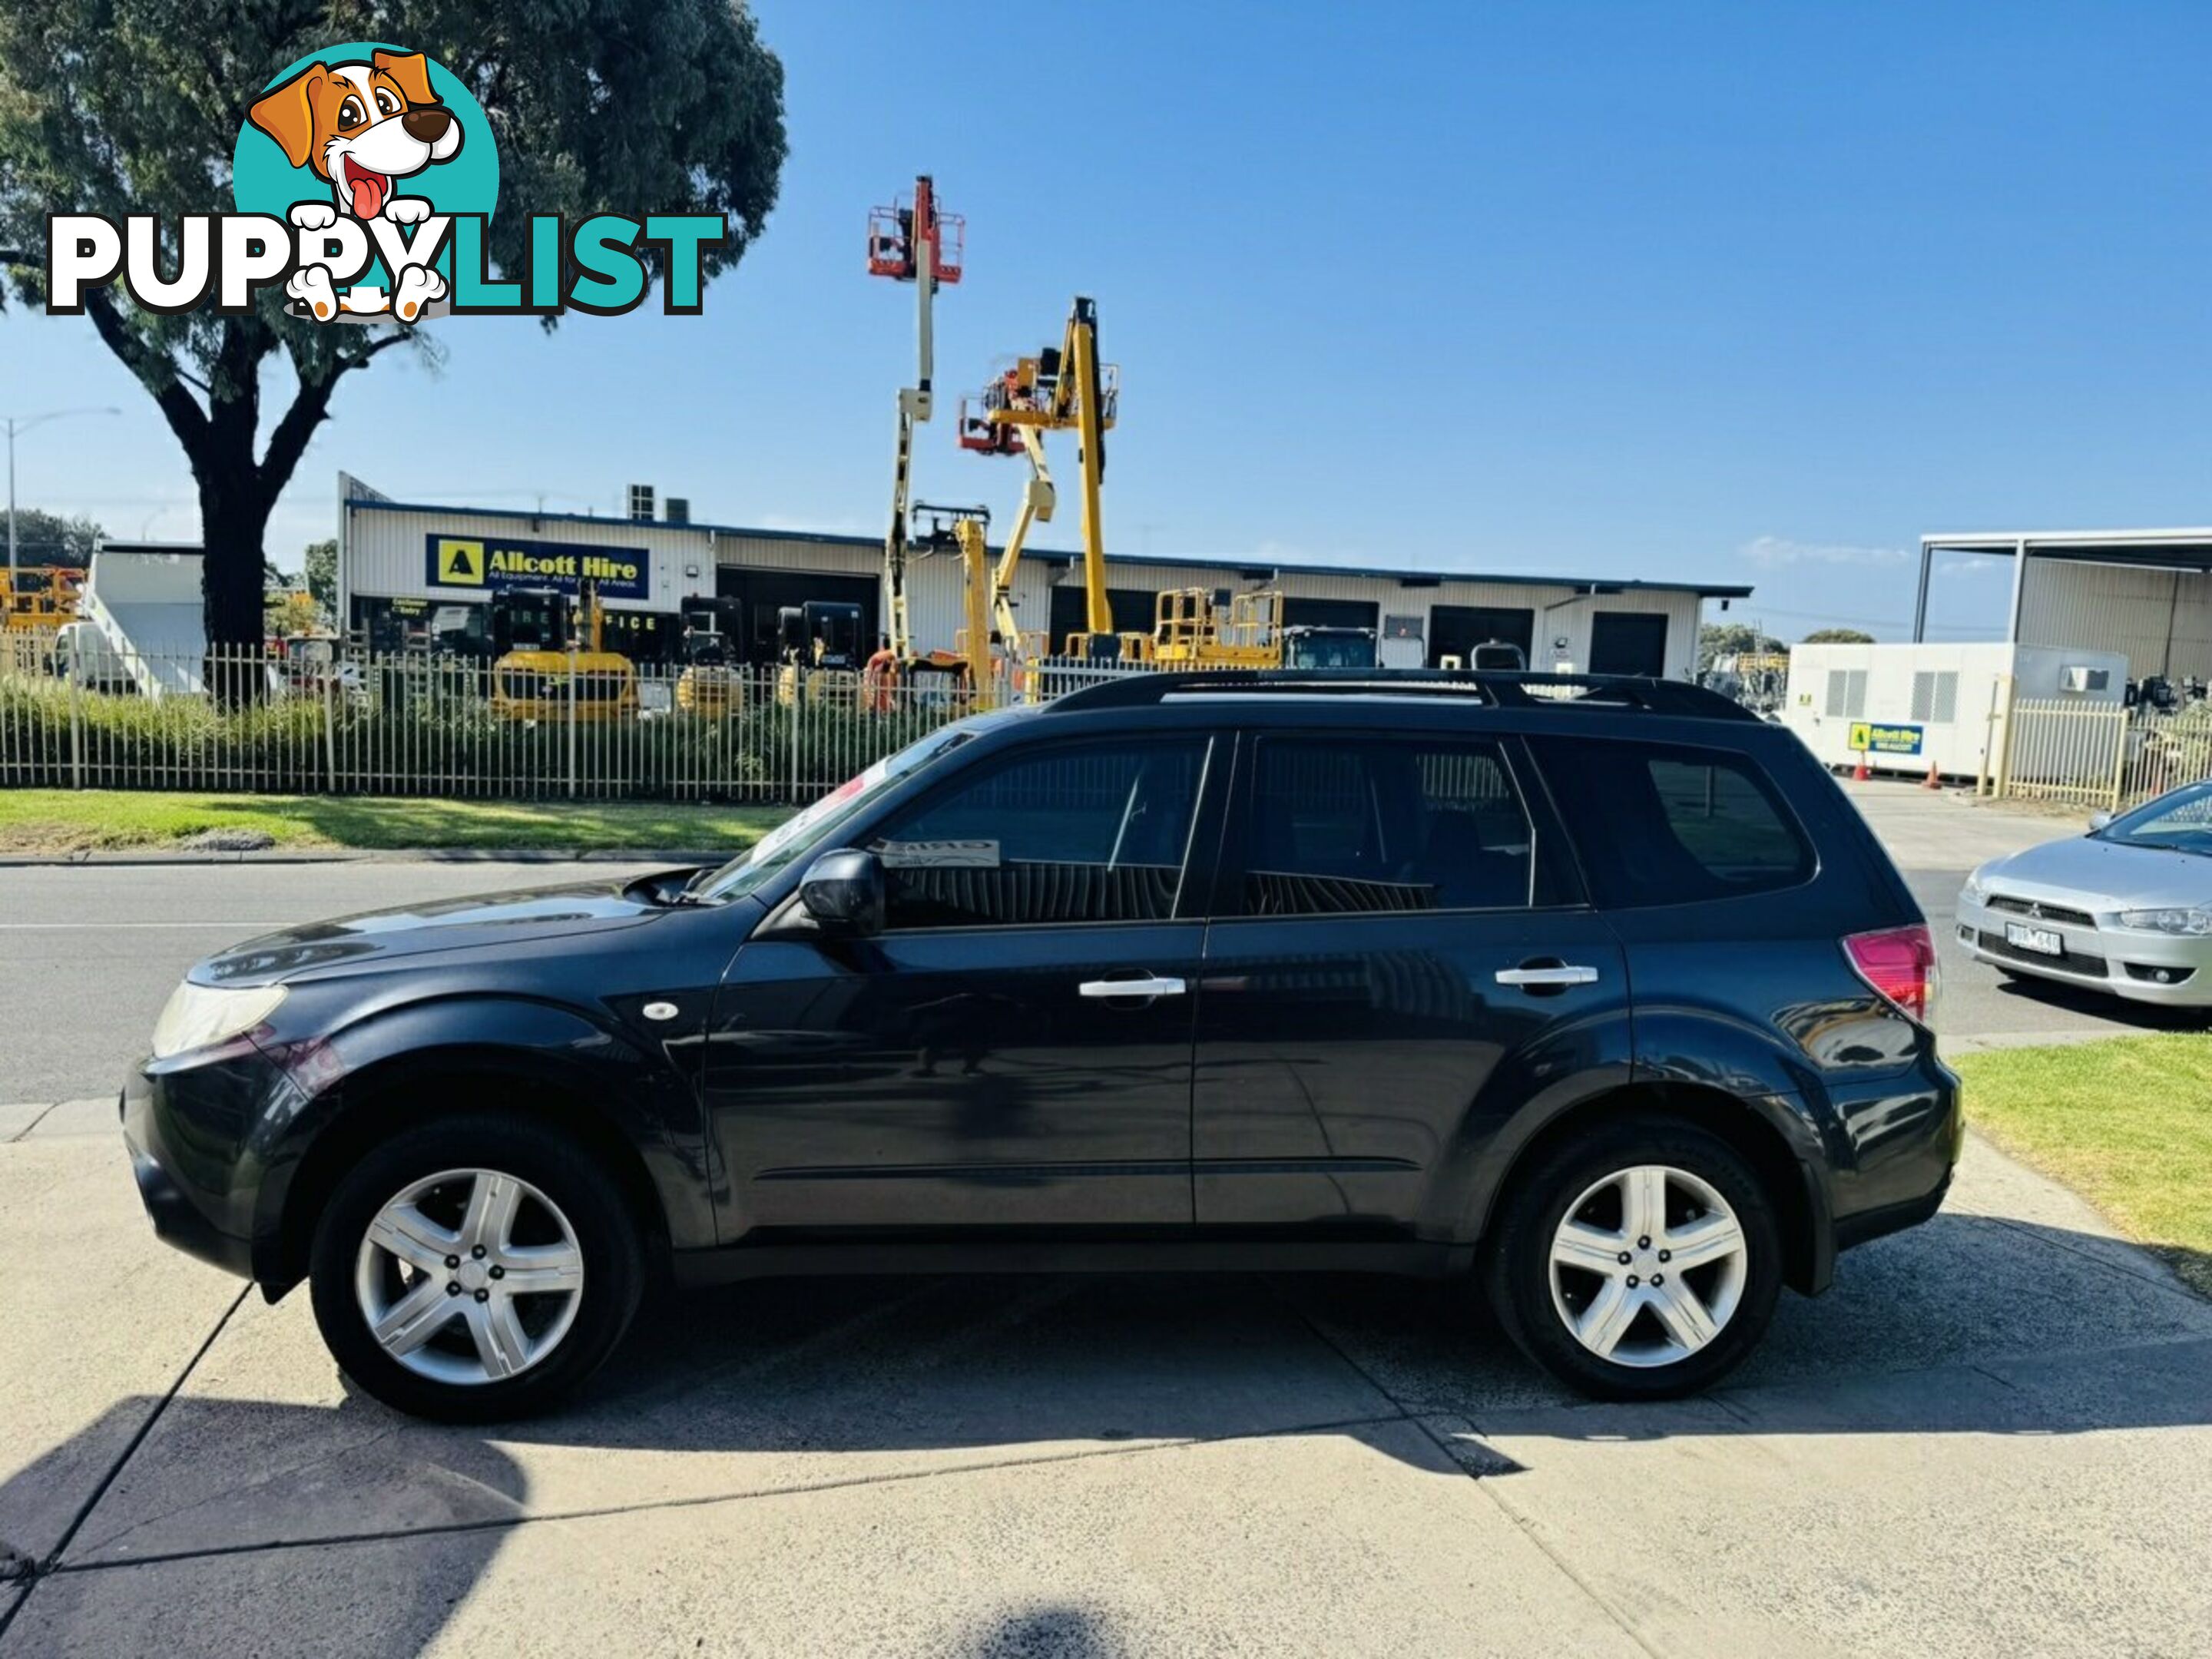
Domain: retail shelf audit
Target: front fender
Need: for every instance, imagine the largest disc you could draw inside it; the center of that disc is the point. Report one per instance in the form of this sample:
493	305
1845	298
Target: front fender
518	1047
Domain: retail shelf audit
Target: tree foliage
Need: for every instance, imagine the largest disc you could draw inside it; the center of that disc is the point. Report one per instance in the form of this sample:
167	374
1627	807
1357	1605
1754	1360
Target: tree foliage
123	107
1838	637
49	538
319	565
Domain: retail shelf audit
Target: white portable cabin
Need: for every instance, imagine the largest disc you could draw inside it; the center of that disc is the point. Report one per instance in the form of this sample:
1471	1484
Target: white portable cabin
1918	703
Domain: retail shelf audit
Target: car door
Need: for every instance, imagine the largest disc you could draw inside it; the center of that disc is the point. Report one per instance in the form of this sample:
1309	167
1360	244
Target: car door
1012	1050
1400	961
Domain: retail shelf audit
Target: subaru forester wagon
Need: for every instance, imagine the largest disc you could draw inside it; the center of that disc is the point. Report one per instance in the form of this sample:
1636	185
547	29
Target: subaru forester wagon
1593	995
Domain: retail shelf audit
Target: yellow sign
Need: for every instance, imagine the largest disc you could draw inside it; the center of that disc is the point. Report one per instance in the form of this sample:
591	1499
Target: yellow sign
1885	739
460	564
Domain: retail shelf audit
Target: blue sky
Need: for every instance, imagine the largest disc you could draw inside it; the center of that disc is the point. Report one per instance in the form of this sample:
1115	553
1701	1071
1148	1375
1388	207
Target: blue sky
1751	293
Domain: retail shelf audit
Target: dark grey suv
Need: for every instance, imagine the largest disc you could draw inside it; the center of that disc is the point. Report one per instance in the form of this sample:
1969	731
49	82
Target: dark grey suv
1595	994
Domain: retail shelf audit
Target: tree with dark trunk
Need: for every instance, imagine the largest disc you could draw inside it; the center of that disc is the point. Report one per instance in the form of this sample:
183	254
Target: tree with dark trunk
134	107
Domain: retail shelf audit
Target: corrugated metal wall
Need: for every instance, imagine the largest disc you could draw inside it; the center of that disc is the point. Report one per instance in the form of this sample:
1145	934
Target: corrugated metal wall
2159	620
384	555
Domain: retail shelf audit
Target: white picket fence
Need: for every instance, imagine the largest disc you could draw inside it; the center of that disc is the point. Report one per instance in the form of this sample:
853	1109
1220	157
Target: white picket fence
405	724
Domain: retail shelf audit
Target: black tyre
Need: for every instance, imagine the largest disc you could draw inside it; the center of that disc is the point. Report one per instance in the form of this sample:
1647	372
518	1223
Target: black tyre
474	1268
1639	1262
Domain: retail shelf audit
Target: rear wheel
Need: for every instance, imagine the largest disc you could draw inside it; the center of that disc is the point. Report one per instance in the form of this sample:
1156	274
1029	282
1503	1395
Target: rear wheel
474	1268
1640	1262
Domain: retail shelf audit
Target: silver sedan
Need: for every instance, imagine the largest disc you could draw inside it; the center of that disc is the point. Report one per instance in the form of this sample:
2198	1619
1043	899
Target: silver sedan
2125	909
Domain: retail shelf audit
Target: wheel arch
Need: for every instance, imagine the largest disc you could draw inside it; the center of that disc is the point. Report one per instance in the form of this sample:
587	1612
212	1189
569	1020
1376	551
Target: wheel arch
401	1091
1753	1130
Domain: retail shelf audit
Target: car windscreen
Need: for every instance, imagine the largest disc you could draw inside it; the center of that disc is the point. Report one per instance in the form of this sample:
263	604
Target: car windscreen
2180	820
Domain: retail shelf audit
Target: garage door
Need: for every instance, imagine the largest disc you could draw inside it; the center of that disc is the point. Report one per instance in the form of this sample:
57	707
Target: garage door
763	592
1628	643
1133	607
1455	629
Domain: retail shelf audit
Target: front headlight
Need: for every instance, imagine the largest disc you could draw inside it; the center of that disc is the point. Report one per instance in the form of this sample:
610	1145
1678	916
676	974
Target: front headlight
2193	922
1973	892
198	1016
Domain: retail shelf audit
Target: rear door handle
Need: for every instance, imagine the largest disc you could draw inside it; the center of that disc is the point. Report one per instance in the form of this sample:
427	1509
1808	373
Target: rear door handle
1153	985
1563	974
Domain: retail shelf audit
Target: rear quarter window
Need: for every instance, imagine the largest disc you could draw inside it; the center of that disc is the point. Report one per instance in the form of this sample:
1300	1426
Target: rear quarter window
1659	824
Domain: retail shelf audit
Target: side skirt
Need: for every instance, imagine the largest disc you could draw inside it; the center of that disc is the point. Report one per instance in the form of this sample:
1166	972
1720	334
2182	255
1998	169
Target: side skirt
1406	1259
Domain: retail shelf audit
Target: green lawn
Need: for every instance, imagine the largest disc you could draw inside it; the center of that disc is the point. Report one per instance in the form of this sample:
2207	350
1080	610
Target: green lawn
2127	1124
69	820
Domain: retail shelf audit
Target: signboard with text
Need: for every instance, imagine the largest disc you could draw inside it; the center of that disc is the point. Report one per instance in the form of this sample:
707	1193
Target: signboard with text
495	563
1873	737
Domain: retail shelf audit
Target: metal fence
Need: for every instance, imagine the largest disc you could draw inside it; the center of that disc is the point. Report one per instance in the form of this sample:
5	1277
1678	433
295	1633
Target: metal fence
362	723
2100	755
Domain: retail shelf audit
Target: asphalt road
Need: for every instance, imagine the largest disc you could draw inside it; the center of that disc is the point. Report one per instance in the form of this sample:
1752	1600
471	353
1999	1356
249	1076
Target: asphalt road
89	952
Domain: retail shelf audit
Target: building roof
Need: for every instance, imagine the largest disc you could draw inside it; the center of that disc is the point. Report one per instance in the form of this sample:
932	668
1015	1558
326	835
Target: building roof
1404	576
2159	549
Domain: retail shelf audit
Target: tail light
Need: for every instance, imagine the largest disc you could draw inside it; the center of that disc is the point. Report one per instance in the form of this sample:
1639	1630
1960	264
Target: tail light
1899	962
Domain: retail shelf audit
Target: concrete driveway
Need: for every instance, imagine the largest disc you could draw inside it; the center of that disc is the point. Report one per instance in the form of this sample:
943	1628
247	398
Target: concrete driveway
1994	1437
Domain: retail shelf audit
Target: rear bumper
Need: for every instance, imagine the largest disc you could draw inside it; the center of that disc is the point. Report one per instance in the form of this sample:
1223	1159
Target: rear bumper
1891	1218
1905	1136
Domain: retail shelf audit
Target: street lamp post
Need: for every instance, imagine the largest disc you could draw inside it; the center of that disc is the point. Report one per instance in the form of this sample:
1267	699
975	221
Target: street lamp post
16	423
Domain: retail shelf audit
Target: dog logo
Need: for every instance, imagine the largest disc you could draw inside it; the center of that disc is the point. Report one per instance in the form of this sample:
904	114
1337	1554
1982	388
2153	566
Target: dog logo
366	177
379	136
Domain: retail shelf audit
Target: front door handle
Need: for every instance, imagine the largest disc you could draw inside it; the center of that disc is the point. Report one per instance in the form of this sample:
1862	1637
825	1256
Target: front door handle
1550	976
1153	985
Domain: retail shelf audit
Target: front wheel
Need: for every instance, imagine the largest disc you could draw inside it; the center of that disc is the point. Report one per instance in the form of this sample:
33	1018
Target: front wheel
474	1268
1642	1262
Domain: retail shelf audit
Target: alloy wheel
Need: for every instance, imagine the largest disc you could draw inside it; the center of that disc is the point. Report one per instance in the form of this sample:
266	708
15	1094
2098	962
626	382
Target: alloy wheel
1648	1266
469	1276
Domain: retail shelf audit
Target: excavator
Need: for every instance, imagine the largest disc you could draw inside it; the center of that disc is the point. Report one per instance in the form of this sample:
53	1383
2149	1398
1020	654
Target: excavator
550	654
1061	389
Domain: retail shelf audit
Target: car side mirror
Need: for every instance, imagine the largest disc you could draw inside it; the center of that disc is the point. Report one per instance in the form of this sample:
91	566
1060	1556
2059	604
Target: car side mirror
843	892
2100	821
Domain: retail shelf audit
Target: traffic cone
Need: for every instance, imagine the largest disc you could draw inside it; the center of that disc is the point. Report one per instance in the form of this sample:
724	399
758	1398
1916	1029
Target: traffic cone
1935	777
1862	772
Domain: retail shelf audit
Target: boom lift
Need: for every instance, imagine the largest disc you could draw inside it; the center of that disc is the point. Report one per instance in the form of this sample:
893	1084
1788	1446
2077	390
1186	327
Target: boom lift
1061	389
913	241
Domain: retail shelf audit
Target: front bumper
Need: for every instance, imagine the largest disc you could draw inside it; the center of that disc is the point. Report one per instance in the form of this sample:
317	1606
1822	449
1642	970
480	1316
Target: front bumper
186	1123
2167	970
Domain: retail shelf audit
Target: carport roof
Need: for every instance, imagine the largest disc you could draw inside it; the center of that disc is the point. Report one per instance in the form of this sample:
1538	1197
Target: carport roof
2156	549
1257	569
2143	550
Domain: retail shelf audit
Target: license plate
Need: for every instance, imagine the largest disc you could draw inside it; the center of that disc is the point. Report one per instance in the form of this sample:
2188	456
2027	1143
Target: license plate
2041	940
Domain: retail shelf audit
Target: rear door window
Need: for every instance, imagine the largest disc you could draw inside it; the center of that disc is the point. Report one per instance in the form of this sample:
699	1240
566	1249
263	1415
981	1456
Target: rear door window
1335	827
1658	825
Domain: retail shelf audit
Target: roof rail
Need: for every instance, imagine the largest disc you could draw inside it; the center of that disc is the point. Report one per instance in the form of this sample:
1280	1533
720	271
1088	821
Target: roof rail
1497	687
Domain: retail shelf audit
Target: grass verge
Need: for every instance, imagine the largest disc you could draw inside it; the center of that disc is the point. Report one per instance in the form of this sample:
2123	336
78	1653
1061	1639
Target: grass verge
2127	1124
91	820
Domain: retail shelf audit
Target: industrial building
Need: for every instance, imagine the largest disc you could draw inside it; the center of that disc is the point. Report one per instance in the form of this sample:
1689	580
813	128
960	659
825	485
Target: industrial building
406	568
